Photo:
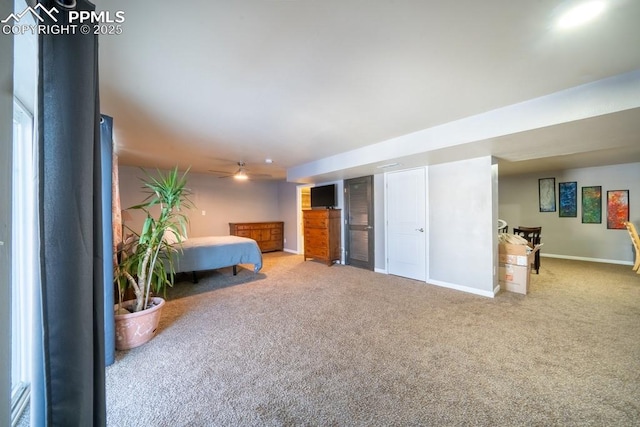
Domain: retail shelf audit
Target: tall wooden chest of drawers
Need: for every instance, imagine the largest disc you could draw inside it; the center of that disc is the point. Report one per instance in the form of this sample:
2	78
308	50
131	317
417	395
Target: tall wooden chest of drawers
269	235
322	234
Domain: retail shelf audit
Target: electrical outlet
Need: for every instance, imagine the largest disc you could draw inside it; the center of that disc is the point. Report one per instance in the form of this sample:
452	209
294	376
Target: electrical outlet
204	213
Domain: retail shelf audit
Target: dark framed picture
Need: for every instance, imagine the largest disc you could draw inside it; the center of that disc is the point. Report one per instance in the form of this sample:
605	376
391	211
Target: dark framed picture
617	209
547	194
568	199
592	205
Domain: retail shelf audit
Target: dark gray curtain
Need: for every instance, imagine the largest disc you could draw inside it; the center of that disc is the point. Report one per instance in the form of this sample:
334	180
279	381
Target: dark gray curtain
72	252
106	162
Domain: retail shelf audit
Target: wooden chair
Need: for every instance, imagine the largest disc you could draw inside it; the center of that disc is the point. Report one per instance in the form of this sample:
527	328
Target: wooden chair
532	234
633	233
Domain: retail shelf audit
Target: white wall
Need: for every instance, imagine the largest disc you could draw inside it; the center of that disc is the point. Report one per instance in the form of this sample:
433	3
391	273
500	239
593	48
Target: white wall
471	134
288	207
462	242
379	223
222	200
569	237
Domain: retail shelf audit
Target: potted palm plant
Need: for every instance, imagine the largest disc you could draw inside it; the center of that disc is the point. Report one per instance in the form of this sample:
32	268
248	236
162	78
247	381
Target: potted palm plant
145	263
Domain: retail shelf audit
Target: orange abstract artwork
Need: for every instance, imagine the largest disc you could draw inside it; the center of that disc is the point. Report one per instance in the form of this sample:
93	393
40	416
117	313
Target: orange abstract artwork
617	209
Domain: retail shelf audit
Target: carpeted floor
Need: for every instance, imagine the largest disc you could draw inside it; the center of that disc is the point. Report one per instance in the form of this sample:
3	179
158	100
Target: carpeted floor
305	344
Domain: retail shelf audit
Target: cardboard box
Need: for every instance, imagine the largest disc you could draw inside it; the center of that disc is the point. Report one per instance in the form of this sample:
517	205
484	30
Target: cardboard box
514	268
523	260
514	278
511	249
517	254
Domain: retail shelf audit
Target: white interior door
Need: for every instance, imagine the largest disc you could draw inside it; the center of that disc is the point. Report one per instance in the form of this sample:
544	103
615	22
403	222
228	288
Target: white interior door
406	223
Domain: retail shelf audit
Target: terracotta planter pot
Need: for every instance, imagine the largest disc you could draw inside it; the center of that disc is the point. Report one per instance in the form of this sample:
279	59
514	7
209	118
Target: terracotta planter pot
135	329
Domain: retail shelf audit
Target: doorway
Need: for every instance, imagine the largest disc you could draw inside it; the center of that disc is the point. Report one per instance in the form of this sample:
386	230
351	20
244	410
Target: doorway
303	203
358	216
406	223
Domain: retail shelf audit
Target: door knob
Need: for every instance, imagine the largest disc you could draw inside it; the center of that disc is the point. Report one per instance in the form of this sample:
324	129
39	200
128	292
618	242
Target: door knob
420	229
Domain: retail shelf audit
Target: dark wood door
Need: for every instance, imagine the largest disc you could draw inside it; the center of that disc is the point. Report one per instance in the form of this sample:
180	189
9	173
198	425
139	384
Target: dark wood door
359	232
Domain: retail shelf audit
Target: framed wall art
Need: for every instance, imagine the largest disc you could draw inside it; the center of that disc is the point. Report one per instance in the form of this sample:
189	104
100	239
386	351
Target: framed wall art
547	194
592	205
568	199
617	209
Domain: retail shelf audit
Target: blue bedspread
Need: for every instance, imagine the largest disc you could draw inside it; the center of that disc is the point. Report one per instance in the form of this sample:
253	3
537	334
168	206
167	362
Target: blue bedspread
210	253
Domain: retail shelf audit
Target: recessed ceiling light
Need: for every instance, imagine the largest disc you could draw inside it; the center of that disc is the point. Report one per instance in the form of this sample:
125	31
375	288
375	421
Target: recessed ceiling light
268	161
581	14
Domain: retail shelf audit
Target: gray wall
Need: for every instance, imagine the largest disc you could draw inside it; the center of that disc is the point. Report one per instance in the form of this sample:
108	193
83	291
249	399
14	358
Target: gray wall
6	137
222	200
569	237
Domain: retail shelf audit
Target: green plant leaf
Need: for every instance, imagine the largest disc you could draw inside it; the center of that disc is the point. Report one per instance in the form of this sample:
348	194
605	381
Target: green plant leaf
150	261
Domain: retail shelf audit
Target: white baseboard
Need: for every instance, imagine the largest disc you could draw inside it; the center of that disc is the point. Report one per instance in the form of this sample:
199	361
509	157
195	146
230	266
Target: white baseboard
467	289
454	286
496	290
579	258
291	251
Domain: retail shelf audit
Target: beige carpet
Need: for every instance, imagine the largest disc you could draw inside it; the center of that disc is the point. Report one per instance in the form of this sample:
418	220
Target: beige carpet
306	344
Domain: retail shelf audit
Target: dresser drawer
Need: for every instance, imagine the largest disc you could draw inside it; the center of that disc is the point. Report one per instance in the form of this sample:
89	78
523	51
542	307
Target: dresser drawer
315	233
270	246
310	244
276	232
316	222
317	251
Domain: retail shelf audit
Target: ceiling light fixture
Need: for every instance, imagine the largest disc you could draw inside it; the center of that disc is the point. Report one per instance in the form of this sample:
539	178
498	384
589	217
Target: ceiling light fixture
581	14
241	175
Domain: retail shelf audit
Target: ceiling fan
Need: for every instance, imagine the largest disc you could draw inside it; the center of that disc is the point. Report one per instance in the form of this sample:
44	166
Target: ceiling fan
242	174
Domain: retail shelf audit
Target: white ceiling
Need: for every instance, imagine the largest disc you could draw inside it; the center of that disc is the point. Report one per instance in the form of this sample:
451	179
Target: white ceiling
209	83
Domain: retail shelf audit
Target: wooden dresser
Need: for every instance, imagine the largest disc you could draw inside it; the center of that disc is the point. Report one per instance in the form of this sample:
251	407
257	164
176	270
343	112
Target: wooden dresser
269	235
322	234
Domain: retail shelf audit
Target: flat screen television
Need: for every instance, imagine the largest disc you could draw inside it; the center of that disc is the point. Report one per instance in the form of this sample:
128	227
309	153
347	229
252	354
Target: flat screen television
323	196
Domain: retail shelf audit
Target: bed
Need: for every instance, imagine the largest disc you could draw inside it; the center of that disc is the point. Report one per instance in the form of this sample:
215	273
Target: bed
212	252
